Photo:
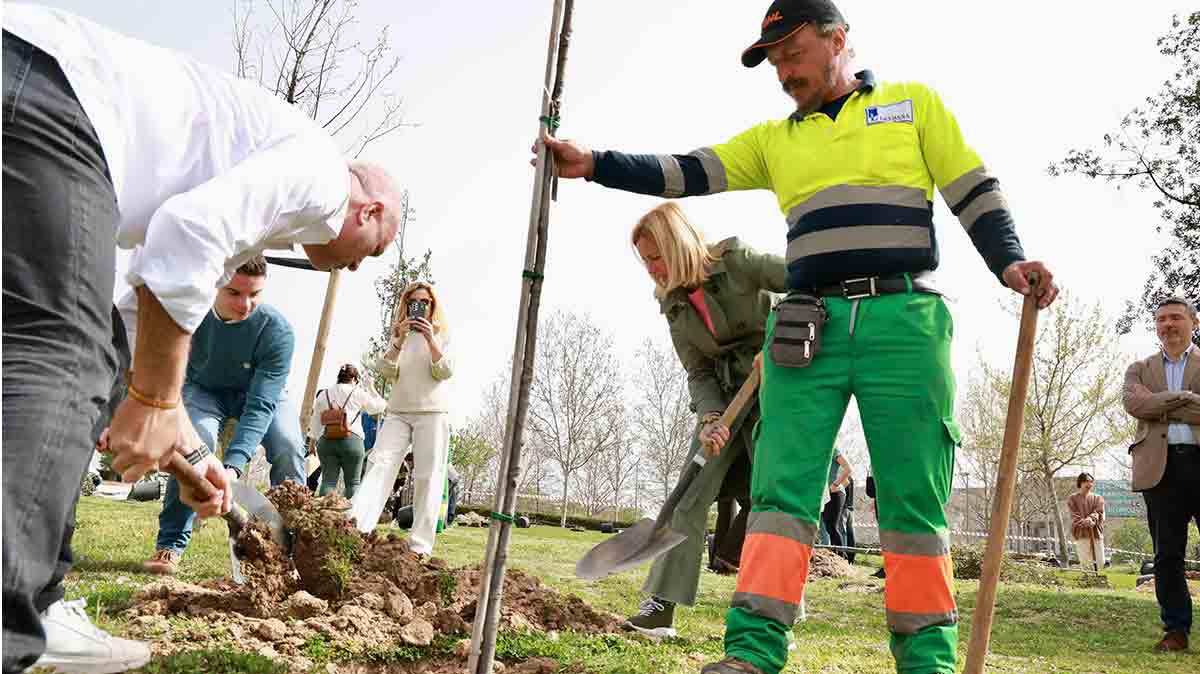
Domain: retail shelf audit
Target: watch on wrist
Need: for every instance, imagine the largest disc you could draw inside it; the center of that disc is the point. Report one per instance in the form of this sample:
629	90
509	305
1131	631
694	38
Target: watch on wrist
197	455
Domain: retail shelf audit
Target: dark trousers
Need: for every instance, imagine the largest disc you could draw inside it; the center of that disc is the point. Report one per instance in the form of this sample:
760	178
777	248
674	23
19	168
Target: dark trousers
59	237
1170	506
848	525
54	591
831	517
730	531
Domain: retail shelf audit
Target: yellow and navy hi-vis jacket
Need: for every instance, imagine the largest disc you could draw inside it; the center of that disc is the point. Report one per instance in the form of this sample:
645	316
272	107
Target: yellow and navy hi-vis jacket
856	189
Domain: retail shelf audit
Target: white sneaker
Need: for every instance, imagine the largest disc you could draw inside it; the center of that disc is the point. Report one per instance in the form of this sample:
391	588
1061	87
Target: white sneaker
75	646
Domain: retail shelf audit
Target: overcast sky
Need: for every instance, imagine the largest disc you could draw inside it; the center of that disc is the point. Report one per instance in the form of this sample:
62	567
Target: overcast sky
1027	80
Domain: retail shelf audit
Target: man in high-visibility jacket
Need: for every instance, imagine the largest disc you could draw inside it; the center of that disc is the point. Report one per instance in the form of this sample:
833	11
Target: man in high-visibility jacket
853	170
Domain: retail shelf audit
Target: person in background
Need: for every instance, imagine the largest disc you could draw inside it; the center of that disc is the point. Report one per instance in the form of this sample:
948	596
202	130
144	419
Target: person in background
370	426
1087	522
310	449
870	491
343	456
832	523
1162	391
237	368
716	299
451	493
848	520
419	364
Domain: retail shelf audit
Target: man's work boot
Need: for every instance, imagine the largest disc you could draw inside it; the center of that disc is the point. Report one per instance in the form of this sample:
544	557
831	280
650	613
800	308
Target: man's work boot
164	562
654	618
1173	641
730	666
75	646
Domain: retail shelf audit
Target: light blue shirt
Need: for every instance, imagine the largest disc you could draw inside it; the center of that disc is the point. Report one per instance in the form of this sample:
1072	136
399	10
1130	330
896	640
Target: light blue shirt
1178	433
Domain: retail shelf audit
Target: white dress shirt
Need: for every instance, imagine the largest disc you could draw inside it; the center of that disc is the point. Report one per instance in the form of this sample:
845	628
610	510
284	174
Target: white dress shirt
209	170
1178	433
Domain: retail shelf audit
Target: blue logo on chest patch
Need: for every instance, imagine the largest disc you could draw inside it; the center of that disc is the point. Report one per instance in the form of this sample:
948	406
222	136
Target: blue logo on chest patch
895	112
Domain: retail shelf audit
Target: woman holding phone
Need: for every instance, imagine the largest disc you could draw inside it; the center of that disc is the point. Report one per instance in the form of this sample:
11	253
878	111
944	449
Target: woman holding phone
418	363
715	299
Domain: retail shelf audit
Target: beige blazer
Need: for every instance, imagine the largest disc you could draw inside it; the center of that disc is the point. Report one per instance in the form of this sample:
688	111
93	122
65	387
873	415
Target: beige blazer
1146	399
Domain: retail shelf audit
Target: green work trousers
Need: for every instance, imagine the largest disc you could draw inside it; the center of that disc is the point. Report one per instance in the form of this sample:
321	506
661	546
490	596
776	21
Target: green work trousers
343	456
892	353
675	574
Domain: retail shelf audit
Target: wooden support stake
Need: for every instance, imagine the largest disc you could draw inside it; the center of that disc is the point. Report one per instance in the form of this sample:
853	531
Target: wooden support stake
487	611
314	368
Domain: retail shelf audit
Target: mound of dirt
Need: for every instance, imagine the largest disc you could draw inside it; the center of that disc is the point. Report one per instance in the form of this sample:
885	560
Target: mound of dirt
827	564
357	591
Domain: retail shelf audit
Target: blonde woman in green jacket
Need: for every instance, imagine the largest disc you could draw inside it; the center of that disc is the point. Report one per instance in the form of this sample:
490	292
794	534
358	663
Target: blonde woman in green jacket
716	299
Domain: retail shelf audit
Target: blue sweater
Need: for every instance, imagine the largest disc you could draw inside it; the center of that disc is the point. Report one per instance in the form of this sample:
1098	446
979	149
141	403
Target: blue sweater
251	357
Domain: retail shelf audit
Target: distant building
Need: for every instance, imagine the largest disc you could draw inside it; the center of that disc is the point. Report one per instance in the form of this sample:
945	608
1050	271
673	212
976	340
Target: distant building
1119	501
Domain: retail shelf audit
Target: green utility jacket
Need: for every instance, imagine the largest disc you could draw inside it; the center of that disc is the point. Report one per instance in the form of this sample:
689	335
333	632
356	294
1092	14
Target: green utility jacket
739	296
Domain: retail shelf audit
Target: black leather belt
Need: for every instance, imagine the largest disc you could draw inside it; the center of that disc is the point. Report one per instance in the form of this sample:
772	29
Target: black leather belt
1183	448
874	286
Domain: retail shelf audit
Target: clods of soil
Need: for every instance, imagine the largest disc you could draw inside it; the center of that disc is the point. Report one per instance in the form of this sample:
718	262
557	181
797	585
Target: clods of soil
343	589
825	563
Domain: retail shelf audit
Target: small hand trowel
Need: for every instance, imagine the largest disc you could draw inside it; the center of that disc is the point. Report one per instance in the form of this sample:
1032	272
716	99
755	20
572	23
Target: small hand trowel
248	504
652	537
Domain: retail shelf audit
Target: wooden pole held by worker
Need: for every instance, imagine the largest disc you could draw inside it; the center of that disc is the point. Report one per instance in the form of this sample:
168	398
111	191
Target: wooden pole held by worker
989	579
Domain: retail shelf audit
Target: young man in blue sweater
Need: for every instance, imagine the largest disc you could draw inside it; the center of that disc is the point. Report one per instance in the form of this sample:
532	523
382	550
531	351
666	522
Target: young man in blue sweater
238	366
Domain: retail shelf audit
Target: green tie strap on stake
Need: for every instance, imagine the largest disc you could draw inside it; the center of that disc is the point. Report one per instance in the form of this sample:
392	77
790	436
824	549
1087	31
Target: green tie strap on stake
483	632
502	517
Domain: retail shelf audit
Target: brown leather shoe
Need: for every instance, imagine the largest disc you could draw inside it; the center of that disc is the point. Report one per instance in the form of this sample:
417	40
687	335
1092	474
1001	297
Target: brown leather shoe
164	562
1173	641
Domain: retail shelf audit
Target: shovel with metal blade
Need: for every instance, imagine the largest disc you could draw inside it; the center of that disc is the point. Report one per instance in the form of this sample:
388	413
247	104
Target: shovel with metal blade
652	537
248	504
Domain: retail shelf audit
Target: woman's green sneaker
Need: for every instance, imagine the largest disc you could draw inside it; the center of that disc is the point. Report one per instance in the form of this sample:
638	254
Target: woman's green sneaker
654	618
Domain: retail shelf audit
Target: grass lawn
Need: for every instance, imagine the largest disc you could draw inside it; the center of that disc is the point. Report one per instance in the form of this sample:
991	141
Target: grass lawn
1036	629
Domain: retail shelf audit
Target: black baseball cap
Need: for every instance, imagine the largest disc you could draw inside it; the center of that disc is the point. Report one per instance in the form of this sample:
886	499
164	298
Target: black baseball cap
785	17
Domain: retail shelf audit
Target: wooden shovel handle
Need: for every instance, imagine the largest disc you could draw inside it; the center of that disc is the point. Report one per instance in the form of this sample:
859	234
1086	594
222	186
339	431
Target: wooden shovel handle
744	394
186	474
202	488
985	599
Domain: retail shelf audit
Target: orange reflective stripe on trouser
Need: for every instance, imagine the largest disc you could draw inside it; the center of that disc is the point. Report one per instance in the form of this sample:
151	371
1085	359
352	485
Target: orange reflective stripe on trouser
774	565
919	591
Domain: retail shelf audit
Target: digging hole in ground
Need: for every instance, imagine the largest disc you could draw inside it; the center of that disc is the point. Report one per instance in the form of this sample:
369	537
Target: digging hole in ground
344	591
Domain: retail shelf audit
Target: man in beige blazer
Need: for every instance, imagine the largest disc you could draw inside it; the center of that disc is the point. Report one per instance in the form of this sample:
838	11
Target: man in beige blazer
1163	393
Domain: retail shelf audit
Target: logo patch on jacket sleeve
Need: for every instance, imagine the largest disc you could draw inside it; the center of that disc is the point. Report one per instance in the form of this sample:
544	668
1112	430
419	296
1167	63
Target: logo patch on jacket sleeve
894	112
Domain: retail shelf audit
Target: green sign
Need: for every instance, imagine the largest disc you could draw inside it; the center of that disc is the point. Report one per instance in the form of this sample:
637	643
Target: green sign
1118	500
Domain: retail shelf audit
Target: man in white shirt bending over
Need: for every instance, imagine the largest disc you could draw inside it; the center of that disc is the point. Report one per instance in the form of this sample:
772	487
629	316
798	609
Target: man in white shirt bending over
111	140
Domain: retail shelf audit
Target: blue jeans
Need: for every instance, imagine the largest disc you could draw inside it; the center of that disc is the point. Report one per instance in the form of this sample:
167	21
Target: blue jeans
208	411
59	239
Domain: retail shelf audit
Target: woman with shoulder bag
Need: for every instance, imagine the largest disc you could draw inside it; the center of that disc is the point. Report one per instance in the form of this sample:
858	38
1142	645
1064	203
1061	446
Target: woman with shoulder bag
716	300
418	361
334	414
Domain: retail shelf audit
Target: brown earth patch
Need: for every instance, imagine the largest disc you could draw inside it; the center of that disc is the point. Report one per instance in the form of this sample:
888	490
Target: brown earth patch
353	591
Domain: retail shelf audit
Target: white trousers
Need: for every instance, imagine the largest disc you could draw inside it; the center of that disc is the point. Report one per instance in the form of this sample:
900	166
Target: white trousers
1088	560
428	436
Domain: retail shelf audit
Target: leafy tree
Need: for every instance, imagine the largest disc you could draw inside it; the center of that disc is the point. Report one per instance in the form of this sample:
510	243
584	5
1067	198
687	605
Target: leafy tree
1157	148
1073	410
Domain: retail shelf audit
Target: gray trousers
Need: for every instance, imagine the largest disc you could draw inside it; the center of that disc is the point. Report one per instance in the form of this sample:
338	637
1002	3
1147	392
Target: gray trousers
60	219
675	575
